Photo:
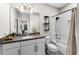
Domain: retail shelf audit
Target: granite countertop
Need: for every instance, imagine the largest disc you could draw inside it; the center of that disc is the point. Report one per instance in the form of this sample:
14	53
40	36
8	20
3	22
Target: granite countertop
23	38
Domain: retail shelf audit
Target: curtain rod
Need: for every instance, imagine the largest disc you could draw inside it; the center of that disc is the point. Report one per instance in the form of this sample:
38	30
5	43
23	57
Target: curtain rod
62	12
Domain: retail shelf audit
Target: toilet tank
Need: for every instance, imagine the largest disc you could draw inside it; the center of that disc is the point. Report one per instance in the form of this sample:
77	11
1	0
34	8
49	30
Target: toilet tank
47	40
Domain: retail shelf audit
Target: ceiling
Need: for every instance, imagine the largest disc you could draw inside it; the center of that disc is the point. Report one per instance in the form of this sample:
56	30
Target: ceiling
58	5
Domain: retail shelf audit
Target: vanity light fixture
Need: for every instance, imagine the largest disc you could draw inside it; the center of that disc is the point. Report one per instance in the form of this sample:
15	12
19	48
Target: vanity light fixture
25	7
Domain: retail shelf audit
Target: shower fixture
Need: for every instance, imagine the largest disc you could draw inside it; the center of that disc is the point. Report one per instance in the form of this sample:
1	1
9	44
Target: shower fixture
57	18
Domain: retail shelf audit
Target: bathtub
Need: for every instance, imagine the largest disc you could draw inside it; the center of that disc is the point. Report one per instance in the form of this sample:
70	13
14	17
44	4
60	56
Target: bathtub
61	47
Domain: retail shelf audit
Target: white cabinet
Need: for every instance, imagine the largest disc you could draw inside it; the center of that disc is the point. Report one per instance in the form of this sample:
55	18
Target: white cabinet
33	47
40	43
27	47
14	51
11	49
28	50
10	45
41	48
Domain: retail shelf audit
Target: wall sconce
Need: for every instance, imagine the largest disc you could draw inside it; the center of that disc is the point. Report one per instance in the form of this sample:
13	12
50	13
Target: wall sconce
46	23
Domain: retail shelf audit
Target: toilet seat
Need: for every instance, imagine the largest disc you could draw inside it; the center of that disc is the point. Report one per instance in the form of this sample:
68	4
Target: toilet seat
52	47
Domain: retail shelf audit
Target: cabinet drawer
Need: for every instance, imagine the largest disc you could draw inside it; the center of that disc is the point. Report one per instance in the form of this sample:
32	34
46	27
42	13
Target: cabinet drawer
14	51
27	42
10	45
40	40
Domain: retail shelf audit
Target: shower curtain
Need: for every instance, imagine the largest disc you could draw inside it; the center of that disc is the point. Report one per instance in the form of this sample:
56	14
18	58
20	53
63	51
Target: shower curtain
71	47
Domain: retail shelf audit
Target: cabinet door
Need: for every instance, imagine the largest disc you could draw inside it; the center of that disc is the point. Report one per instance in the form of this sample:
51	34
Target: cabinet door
10	45
14	51
41	48
28	49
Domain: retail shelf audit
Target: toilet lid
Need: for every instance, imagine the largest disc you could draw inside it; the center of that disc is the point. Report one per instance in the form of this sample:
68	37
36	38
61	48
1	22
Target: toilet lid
52	46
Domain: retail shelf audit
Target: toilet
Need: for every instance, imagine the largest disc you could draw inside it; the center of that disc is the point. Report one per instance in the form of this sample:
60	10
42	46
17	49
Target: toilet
51	47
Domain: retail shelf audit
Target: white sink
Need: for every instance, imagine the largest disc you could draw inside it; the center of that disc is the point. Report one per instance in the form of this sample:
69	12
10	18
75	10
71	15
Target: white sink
27	37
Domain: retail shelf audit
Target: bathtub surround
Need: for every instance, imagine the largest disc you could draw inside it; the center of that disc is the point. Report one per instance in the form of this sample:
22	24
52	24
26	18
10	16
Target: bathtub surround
64	28
71	47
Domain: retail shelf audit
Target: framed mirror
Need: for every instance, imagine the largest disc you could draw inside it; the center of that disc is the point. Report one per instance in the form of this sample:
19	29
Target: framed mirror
24	22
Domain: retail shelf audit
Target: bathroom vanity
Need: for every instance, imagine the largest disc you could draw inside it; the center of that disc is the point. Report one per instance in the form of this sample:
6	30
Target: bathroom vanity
26	45
22	23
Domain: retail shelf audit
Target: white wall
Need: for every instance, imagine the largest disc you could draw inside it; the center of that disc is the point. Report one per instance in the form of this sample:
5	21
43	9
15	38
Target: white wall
4	19
44	10
13	18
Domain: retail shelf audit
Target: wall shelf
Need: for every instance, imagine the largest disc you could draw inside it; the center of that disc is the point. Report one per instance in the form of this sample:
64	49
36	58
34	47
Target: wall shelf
46	23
